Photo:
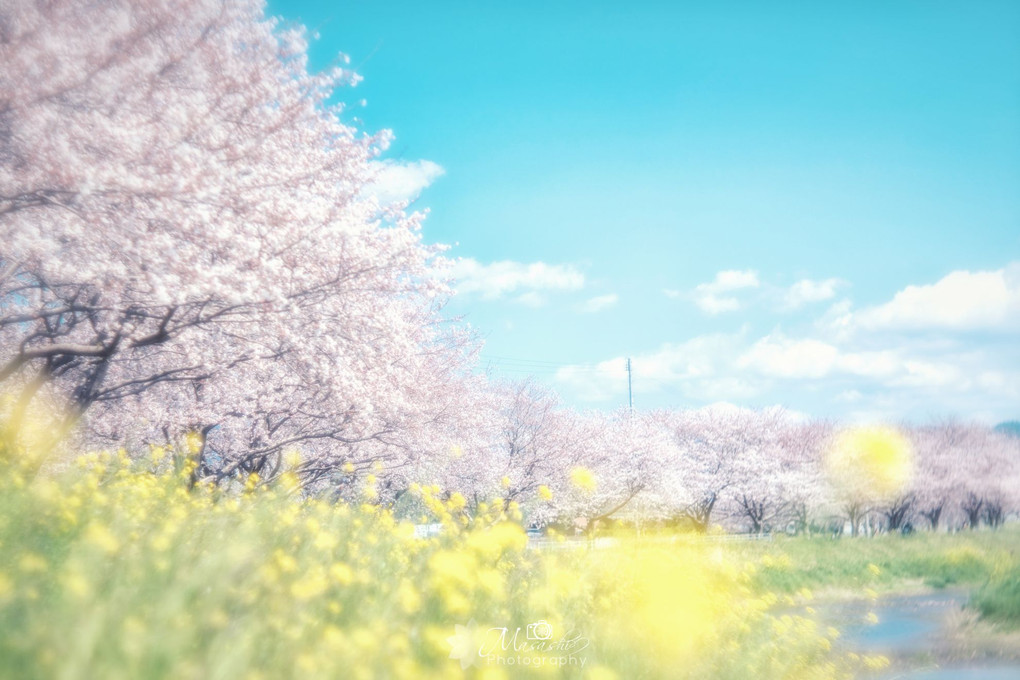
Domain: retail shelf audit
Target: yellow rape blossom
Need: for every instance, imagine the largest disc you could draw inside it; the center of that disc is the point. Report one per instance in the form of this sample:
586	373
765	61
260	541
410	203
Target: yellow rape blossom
583	479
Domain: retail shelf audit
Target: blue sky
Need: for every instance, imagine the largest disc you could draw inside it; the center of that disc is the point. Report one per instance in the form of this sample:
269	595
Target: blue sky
809	204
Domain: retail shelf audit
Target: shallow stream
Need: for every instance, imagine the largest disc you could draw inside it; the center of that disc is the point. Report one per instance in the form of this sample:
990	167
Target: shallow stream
911	632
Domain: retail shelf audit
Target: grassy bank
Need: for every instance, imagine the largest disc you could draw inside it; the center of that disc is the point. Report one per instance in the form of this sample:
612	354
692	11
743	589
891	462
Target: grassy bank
886	562
999	599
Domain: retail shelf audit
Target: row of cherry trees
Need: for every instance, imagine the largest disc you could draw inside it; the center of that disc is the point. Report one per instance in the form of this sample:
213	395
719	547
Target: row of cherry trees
191	249
746	470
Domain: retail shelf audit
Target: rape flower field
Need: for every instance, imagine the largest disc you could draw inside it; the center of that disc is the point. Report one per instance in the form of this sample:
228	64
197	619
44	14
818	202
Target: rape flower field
120	568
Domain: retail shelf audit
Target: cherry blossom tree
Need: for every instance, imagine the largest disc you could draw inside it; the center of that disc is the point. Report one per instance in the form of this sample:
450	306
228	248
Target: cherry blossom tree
989	470
189	243
618	470
703	462
514	439
533	440
776	476
753	468
966	472
868	467
938	484
801	445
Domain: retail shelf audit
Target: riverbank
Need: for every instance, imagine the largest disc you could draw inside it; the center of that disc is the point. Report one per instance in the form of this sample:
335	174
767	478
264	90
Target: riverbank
926	634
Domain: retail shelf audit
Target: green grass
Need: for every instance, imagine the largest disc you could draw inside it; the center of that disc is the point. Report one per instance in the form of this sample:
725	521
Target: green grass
987	563
999	599
886	563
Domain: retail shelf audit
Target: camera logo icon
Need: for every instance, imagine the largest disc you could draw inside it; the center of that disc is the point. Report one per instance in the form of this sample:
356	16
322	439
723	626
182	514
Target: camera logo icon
539	630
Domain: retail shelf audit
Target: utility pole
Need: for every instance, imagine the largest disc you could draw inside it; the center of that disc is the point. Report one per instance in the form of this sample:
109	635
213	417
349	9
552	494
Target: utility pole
630	391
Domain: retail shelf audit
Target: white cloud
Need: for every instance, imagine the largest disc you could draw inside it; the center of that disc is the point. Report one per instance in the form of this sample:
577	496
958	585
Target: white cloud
834	365
778	356
711	297
397	182
807	291
905	377
849	396
699	357
733	279
694	370
715	304
837	320
782	357
721	388
961	300
604	381
894	371
506	277
875	364
598	303
723	292
930	374
531	299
